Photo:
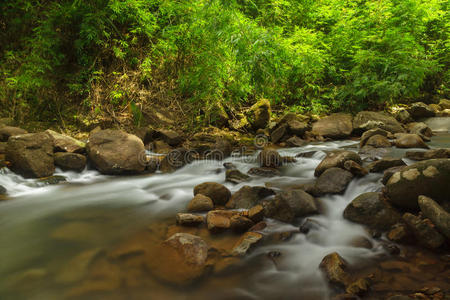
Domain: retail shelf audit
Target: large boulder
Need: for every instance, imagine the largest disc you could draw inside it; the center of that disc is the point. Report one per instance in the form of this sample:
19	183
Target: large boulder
7	131
31	155
300	202
409	140
429	178
269	158
336	159
424	231
278	133
372	132
278	209
249	196
296	127
378	141
332	181
430	154
366	120
175	160
420	129
420	110
372	210
218	193
64	143
438	216
259	114
70	161
334	126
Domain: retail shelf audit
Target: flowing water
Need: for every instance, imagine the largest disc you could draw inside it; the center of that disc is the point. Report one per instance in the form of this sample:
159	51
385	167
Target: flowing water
45	226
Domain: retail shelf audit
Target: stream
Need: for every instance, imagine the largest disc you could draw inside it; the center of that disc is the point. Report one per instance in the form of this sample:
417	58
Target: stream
44	226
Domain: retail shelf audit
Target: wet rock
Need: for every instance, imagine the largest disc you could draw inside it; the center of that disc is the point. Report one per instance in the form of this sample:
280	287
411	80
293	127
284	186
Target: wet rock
424	231
256	213
236	176
295	141
31	155
172	138
361	242
358	287
420	129
444	104
300	203
429	178
400	233
116	152
372	210
278	133
370	133
384	164
438	216
229	166
336	159
7	131
245	243
219	220
3	190
335	269
378	141
420	110
403	116
332	181
307	154
391	249
218	193
409	140
278	209
264	172
240	223
64	143
258	226
185	219
75	269
175	160
335	126
259	114
288	160
366	120
387	174
355	168
200	202
429	154
52	180
70	161
249	196
269	159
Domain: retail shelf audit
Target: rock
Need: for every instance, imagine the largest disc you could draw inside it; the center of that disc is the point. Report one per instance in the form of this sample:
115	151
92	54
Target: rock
31	155
259	114
64	143
444	104
160	147
366	120
379	166
240	223
7	131
189	219
278	209
307	154
295	141
387	174
278	133
296	127
378	141
264	172
68	161
172	138
334	126
336	159
355	168
288	160
249	196
219	220
175	160
301	203
335	269
218	193
269	159
200	203
420	129
445	113
223	147
56	179
403	116
116	152
256	213
429	178
75	269
245	243
370	133
293	116
3	190
359	287
332	181
437	215
435	107
371	210
399	233
430	154
409	140
229	166
420	110
424	231
236	176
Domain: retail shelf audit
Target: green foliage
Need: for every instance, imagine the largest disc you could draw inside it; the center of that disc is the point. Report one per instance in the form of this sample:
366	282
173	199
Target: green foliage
305	54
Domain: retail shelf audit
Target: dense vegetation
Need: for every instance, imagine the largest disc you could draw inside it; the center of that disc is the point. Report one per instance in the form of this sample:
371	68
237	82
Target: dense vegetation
63	58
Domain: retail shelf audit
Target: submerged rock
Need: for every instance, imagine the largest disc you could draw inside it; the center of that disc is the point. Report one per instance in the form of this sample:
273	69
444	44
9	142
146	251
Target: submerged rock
218	193
336	159
372	210
75	269
332	181
334	126
436	214
245	243
116	152
31	155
